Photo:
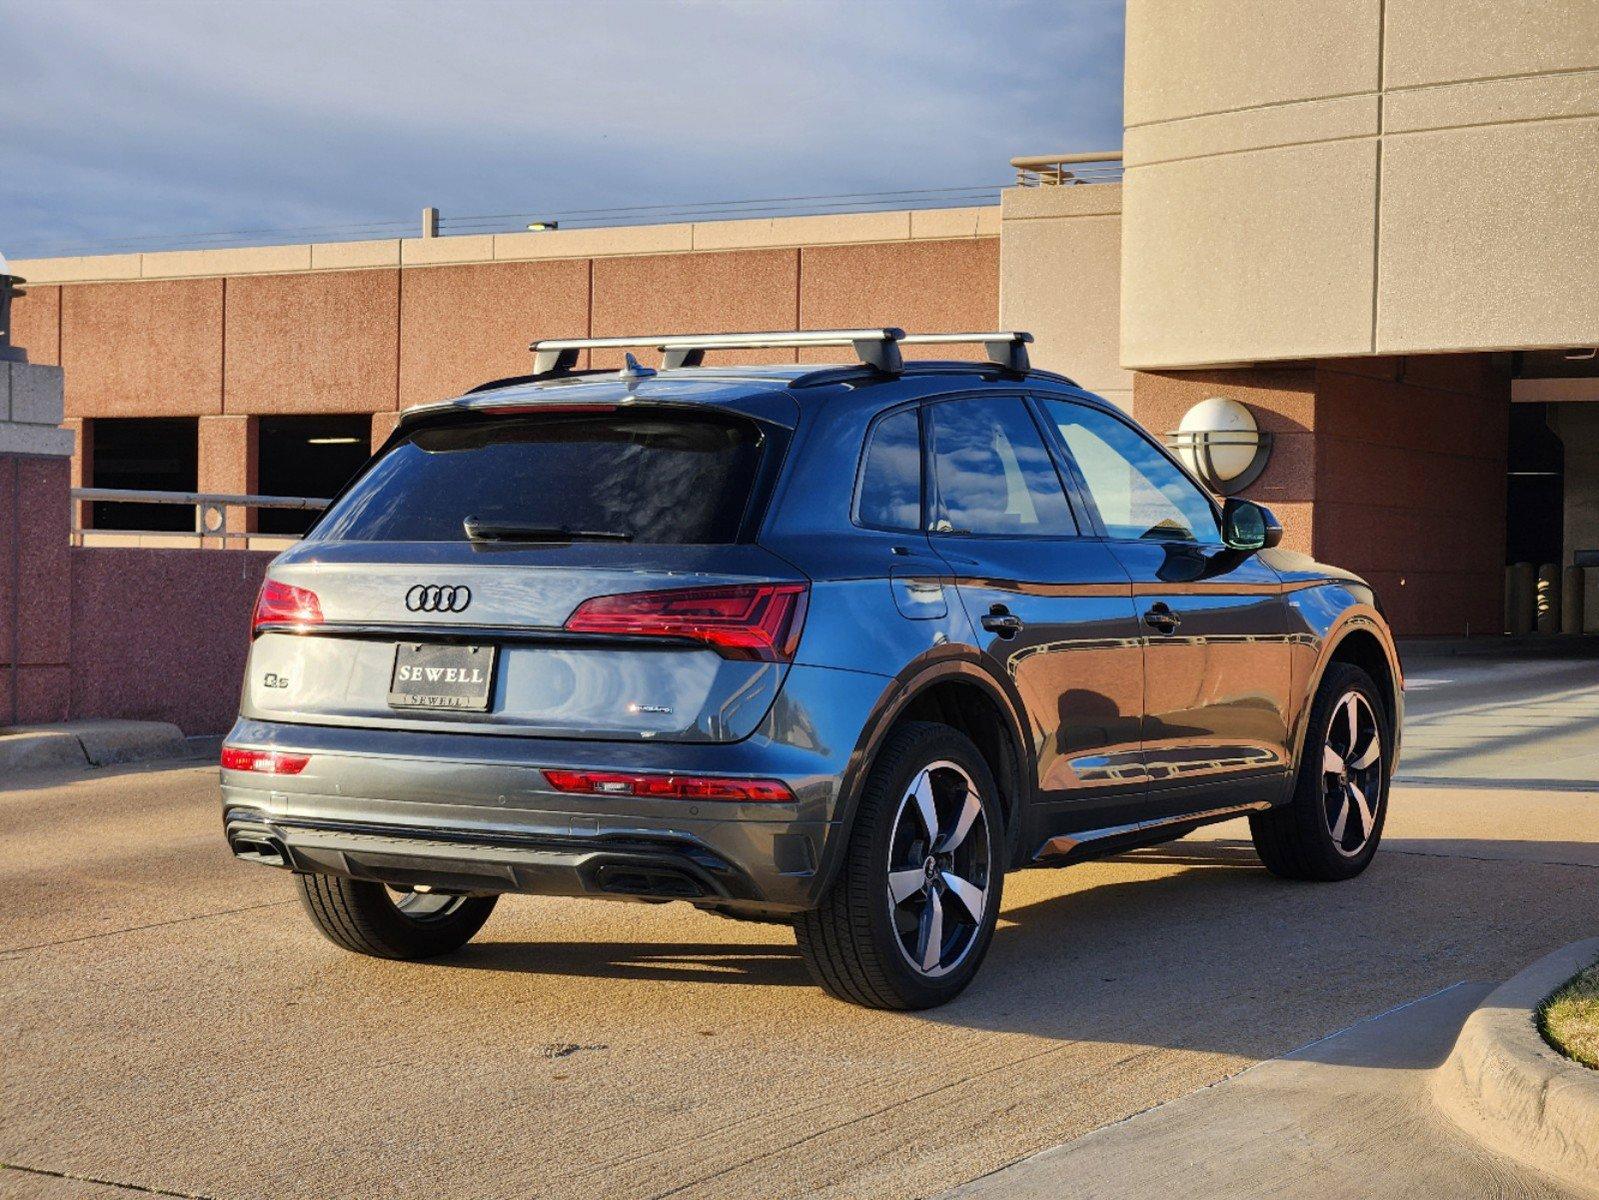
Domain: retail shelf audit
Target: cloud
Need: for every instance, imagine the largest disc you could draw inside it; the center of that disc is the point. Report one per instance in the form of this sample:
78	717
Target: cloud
151	119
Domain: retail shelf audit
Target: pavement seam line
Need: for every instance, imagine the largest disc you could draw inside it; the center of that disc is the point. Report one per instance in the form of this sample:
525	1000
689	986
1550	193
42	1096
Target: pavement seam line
132	1187
89	937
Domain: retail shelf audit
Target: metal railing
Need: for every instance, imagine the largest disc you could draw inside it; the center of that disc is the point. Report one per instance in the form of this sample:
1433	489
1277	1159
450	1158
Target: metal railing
213	514
1051	170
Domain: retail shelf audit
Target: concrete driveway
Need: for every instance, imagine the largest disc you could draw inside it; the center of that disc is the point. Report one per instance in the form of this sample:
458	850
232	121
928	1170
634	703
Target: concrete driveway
173	1024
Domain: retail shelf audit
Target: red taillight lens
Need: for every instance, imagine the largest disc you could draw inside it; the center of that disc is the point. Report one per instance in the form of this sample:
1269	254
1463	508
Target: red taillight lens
669	787
285	604
754	621
265	762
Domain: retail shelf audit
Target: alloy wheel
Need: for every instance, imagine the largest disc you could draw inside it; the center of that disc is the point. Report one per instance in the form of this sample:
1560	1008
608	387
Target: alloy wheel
1351	766
940	866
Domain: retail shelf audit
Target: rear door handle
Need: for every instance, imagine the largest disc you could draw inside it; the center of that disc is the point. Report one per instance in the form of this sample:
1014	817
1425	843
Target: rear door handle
1161	617
1002	621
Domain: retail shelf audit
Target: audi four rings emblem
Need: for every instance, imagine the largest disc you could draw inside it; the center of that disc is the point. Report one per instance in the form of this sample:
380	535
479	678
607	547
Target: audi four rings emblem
440	598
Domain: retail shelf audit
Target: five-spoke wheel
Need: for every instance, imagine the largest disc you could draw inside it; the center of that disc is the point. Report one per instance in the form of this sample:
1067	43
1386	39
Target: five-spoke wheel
1351	768
1331	826
911	913
939	866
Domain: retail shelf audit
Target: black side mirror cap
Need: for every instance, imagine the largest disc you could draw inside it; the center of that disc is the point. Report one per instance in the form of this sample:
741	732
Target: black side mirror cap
1248	526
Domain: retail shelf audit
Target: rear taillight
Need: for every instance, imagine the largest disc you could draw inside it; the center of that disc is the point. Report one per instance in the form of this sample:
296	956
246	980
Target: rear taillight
752	621
285	604
669	787
264	762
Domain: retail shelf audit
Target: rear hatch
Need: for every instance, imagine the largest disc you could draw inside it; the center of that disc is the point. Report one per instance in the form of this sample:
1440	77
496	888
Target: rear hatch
574	571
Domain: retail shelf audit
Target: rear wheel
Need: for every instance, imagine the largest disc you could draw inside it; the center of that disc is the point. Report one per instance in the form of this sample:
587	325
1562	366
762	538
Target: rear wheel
369	918
910	917
1331	828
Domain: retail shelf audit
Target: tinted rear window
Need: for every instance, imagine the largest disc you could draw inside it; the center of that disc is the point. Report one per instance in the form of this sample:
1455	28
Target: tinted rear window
654	477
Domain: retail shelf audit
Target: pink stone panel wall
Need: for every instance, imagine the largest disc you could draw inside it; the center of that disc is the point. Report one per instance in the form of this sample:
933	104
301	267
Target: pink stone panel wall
922	287
1411	486
36	323
323	342
162	635
150	349
35	588
736	290
462	326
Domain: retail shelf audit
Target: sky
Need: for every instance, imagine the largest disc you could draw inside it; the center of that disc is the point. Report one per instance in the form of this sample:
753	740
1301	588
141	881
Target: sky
138	124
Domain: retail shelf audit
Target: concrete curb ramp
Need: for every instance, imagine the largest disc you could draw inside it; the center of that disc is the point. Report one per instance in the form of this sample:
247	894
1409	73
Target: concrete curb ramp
86	744
1512	1091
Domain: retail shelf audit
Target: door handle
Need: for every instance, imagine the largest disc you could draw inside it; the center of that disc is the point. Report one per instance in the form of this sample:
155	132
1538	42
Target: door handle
1161	617
1002	621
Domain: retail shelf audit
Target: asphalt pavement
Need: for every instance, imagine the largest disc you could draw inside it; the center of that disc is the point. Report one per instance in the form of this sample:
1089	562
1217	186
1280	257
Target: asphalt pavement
173	1024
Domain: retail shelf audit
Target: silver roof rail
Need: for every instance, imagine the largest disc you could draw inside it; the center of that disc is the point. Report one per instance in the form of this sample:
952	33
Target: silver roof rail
875	347
1006	348
879	348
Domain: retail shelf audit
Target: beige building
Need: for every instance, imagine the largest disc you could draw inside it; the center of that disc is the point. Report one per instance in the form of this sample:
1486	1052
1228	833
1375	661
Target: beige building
1371	222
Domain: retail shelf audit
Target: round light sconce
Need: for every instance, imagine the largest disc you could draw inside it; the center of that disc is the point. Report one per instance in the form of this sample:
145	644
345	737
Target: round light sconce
1219	441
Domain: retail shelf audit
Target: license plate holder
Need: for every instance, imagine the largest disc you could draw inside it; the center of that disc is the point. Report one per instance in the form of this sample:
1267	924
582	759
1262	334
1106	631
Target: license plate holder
442	677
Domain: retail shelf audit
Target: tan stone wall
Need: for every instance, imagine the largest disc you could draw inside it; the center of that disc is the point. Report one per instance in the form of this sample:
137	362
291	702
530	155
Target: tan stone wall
1358	177
1060	277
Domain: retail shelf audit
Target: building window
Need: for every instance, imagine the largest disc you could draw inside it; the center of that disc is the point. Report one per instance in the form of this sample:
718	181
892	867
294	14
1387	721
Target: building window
307	456
148	454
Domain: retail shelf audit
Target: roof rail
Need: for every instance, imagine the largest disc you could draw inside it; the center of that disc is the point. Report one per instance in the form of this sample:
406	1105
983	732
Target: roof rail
879	348
875	347
1006	348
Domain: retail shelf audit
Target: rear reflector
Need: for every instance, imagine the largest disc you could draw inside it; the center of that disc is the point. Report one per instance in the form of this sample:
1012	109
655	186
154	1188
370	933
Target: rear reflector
669	787
264	762
285	604
750	621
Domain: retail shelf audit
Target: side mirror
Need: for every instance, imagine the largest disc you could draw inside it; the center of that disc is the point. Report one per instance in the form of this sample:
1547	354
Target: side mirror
1248	526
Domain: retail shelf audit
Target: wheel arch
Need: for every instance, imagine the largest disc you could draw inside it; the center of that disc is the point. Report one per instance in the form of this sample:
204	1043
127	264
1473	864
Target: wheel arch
1363	641
954	691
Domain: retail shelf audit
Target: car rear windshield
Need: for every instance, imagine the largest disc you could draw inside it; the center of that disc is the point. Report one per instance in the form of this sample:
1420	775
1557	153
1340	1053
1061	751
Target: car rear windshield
658	477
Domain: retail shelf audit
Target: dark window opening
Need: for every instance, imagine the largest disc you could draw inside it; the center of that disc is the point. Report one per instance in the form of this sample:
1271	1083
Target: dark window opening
149	454
1534	488
307	456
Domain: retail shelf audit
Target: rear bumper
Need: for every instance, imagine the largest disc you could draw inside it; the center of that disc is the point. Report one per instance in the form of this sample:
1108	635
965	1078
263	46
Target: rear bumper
475	813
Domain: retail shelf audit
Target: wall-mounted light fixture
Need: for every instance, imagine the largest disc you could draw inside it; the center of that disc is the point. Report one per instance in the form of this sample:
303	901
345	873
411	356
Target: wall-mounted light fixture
542	226
1219	441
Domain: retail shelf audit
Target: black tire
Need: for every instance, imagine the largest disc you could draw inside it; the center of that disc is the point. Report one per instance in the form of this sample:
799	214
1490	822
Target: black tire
859	942
366	918
1305	839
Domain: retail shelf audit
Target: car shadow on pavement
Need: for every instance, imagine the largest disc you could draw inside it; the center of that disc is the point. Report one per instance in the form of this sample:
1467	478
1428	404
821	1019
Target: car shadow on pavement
1191	945
682	962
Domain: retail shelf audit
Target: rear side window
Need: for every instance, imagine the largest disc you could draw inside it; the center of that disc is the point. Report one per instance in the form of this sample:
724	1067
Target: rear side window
993	475
891	475
661	477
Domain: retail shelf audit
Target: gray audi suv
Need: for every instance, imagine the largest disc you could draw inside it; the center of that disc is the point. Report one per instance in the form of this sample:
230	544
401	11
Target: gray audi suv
831	646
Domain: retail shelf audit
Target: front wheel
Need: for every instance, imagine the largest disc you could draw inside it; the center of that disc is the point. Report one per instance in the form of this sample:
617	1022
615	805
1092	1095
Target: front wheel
1331	828
369	918
910	917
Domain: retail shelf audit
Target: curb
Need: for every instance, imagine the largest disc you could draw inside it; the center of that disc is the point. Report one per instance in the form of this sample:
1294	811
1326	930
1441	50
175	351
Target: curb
88	744
1512	1091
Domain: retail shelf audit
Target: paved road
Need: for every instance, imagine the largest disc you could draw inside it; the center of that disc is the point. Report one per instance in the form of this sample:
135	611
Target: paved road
1503	713
172	1023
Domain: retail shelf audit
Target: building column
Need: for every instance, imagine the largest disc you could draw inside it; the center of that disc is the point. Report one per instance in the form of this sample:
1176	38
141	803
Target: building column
35	546
228	463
